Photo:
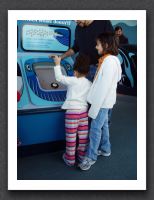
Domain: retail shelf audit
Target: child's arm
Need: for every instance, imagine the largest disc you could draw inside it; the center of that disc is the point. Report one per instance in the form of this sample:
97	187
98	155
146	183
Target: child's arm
100	92
66	80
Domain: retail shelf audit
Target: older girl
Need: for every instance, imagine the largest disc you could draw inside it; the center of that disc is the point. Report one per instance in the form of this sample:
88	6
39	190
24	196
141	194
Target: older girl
102	97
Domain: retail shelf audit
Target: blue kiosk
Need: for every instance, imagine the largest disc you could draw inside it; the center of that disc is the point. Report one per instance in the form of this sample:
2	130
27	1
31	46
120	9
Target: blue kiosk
40	119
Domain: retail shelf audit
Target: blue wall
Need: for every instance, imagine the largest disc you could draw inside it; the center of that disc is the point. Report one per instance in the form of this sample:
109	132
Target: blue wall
129	29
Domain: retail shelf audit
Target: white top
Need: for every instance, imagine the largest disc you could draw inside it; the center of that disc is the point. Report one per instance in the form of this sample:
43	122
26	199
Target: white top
77	90
103	90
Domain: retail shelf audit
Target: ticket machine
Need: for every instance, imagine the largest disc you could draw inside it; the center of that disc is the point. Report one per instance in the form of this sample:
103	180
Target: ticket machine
40	118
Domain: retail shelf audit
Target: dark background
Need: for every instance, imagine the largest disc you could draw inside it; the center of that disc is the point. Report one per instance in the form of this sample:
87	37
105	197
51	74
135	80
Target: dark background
76	5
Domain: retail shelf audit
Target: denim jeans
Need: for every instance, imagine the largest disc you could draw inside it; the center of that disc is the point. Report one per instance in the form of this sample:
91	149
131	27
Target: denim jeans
99	135
109	116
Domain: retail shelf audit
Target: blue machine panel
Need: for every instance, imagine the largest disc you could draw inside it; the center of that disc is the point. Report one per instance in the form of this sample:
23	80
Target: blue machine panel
41	80
41	127
40	117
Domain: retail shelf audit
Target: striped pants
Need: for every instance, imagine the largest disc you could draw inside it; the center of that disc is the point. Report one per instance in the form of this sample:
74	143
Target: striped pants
76	127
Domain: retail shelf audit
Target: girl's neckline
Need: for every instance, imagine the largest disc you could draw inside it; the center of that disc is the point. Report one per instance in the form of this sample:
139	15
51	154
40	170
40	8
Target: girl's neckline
101	60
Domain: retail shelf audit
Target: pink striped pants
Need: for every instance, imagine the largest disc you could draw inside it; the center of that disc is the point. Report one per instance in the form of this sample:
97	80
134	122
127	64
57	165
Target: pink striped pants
76	127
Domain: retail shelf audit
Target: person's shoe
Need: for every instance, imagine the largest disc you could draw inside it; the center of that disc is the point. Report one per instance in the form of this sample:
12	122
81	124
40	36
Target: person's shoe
86	164
83	161
66	162
103	153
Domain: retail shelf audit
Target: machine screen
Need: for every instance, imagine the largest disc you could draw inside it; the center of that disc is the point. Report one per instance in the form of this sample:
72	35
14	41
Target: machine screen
45	38
46	76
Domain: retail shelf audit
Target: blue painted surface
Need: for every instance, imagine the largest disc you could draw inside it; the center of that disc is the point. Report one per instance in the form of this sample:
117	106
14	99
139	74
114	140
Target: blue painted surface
126	65
39	96
41	128
47	126
63	38
58	23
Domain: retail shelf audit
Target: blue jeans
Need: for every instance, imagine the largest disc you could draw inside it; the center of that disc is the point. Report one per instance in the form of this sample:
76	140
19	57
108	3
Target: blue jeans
99	135
109	116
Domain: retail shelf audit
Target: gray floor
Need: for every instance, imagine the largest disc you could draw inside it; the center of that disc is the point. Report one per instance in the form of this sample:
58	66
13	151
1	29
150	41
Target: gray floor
121	165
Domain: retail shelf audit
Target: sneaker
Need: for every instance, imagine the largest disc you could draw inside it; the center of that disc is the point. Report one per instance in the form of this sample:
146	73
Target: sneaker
86	164
66	162
83	161
103	153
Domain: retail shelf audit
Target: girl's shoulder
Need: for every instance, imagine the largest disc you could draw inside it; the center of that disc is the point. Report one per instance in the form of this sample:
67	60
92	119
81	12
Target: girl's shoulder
87	81
111	59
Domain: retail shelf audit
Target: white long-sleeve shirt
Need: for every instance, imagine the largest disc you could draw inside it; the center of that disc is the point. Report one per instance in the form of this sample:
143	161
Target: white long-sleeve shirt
77	90
103	90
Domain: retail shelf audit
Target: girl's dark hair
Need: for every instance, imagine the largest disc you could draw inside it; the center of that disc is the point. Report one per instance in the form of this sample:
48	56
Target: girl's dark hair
111	40
82	63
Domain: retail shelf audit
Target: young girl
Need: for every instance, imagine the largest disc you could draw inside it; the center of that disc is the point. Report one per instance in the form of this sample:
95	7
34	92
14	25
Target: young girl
102	97
76	116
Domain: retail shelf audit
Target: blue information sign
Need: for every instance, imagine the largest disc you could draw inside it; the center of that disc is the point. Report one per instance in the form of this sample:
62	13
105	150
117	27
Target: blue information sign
45	38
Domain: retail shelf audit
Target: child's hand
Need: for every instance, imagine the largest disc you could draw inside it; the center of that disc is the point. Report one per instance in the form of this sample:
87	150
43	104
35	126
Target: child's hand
57	60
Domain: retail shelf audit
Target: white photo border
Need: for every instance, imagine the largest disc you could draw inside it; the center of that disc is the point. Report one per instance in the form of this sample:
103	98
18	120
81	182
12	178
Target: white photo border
140	183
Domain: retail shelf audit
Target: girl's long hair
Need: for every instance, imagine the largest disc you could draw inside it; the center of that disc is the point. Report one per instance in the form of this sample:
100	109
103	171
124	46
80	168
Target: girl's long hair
109	43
